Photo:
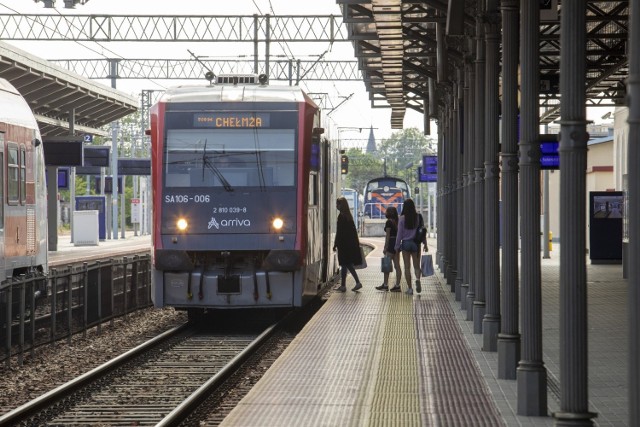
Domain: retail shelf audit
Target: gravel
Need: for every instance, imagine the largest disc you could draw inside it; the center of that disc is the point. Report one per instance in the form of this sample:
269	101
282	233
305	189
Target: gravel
53	365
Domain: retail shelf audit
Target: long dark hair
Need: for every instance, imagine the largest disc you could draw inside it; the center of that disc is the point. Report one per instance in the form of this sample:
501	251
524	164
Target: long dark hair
343	207
392	214
410	214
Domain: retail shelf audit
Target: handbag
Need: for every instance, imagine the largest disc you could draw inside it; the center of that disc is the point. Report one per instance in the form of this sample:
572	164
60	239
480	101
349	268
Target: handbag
386	266
364	261
426	265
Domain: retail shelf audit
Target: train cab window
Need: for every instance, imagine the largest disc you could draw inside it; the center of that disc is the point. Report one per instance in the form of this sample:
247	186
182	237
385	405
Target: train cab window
230	158
13	174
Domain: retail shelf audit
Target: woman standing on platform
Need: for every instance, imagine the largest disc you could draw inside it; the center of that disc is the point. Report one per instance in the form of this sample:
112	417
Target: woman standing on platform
347	244
391	230
407	227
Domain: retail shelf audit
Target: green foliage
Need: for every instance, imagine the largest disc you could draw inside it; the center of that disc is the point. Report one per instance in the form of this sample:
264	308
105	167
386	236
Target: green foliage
129	142
403	153
81	190
362	168
392	157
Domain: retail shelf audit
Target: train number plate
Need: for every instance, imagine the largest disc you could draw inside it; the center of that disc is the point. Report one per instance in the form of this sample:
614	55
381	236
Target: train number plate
228	284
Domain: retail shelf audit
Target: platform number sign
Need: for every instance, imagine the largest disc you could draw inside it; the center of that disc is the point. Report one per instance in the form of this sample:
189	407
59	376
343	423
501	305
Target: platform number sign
88	138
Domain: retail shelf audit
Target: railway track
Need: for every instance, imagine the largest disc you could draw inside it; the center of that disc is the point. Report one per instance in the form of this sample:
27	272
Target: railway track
158	383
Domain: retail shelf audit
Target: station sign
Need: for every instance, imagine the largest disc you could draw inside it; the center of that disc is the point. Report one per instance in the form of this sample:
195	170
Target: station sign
549	155
97	155
108	184
63	178
428	172
134	166
136	210
63	150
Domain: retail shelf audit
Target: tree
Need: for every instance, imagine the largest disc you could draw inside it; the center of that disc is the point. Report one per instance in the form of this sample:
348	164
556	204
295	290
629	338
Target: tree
362	168
403	153
404	148
129	141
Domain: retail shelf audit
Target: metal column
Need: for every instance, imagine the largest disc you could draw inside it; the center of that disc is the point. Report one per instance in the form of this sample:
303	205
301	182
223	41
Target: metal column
442	224
633	178
446	193
491	316
469	189
459	187
531	372
450	195
463	223
574	397
115	127
509	337
476	290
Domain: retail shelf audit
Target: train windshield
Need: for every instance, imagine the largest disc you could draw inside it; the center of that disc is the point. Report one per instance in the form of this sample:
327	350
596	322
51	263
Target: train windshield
391	183
230	158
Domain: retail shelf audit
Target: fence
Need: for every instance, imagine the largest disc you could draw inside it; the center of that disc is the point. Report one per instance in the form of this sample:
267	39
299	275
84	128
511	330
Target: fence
37	310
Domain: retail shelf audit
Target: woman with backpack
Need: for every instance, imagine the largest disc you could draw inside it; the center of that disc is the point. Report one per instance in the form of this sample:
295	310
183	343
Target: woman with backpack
406	241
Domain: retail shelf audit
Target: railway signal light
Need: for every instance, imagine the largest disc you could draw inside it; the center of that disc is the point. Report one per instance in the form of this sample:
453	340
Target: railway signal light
344	164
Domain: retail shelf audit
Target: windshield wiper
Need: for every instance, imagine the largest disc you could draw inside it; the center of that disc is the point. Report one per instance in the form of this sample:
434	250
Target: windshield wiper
206	163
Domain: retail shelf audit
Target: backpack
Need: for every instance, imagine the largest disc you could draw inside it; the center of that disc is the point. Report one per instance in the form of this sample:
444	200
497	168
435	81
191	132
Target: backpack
421	231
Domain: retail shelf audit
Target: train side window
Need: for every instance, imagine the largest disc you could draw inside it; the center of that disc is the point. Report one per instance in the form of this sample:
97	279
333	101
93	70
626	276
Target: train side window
13	175
1	180
313	189
23	174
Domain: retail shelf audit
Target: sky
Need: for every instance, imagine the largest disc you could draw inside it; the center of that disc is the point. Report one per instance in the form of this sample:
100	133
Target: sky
354	112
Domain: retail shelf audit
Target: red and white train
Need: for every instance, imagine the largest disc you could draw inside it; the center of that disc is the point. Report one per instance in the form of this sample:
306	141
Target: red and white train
23	209
244	196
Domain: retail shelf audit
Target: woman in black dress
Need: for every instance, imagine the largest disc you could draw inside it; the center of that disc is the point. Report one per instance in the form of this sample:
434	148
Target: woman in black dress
347	244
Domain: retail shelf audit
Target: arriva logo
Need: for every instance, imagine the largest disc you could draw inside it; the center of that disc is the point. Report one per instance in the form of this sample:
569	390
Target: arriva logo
213	223
237	222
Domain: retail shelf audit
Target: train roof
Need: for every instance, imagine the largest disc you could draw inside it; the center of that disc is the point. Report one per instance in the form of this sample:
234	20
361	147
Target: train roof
13	108
235	93
381	178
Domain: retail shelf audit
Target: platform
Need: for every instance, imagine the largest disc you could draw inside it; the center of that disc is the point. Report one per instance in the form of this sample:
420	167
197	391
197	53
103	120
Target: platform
381	358
67	252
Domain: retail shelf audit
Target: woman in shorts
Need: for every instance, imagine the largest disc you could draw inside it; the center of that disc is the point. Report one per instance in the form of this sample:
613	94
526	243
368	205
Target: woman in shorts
407	227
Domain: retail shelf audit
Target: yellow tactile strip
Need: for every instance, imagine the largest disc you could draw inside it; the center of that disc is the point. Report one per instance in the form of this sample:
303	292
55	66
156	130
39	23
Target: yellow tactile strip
397	385
374	359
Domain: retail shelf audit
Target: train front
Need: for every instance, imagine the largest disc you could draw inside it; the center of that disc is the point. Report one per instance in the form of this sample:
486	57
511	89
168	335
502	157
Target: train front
228	187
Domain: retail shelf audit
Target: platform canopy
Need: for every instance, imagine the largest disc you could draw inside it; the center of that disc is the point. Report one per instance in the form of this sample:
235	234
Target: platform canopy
53	92
401	44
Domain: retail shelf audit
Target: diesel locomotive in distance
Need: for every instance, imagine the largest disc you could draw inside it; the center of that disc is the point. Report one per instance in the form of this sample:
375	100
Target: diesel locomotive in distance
244	196
381	193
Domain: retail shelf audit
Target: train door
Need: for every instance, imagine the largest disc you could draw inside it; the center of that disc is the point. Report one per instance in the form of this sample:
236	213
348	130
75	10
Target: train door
326	206
2	168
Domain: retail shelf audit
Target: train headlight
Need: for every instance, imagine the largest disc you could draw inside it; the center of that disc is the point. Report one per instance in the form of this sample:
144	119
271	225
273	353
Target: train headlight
182	224
277	224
